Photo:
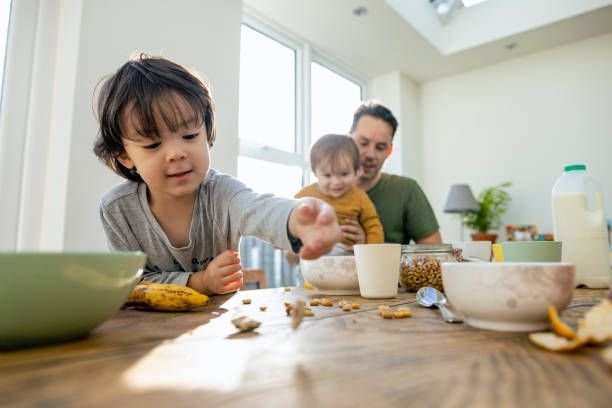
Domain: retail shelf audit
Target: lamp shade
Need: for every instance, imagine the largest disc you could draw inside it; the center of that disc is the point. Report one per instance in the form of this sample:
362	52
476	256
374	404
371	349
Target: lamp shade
460	199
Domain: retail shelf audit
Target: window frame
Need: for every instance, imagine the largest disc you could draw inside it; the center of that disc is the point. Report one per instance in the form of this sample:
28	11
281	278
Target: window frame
305	54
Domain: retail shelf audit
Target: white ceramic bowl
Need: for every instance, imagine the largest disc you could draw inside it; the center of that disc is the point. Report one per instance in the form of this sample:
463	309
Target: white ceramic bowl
332	275
508	296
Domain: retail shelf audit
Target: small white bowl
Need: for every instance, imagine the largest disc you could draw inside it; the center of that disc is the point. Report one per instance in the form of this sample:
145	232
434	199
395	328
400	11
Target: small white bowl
332	275
508	296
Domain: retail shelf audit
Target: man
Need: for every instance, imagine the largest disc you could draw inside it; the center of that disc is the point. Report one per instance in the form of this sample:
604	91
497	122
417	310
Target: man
403	208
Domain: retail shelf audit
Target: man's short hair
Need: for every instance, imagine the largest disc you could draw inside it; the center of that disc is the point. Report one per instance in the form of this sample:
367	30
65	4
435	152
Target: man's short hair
376	110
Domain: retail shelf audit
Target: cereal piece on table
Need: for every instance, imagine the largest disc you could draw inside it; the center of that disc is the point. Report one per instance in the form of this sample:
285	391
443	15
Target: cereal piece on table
245	324
402	313
263	308
382	309
297	314
326	302
355	305
347	307
341	303
387	314
287	289
308	312
314	302
246	301
288	308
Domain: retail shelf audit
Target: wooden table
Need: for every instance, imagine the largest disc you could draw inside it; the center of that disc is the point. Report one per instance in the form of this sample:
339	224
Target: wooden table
335	358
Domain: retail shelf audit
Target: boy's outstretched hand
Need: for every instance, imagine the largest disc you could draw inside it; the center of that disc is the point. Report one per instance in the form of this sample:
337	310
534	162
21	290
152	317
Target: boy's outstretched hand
314	222
222	275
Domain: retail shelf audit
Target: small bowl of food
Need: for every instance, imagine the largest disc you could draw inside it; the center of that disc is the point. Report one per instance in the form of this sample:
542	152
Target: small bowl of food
332	275
508	296
55	296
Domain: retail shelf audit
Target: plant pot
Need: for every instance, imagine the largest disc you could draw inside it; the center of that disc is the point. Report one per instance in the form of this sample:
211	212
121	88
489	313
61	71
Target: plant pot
484	236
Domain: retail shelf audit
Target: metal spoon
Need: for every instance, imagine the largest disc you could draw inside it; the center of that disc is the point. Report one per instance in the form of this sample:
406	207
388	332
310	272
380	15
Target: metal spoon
428	297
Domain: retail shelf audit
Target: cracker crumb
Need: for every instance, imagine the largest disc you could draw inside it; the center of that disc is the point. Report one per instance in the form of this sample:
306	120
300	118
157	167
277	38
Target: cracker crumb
245	324
297	314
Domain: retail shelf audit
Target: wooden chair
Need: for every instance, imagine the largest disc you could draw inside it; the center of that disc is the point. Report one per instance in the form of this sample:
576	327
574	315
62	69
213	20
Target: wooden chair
254	278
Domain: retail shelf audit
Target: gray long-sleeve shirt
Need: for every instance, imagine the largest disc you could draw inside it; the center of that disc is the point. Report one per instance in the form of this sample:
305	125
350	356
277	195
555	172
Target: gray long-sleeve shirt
225	209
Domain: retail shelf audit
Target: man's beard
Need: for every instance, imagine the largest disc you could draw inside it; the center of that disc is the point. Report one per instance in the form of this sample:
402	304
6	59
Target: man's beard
371	173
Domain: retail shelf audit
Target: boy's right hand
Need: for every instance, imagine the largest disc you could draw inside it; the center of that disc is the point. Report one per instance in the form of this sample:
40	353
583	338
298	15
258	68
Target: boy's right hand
222	275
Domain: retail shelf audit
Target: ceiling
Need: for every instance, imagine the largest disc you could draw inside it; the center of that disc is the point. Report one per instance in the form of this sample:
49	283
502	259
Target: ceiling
406	35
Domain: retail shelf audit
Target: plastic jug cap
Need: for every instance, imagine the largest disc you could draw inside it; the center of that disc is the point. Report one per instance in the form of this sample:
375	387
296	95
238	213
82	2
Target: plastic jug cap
574	167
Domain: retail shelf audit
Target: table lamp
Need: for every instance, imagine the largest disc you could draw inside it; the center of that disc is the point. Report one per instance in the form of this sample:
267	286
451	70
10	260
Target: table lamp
461	200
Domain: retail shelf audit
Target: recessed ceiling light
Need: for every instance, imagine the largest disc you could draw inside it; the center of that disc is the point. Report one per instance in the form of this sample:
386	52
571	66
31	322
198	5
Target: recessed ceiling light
360	11
511	46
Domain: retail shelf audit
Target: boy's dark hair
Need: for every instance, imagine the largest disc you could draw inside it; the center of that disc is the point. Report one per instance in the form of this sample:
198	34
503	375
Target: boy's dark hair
374	109
140	87
334	148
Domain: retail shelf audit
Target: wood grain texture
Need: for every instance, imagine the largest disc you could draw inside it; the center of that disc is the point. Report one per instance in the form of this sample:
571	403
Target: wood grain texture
335	358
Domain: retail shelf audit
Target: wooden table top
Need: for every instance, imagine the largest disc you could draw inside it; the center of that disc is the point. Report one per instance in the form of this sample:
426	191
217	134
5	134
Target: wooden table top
334	358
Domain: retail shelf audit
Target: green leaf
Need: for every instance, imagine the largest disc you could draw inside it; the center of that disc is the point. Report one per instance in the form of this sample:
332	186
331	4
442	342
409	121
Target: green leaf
493	204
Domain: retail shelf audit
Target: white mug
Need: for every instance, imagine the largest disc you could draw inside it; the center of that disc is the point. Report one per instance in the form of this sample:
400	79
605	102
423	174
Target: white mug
378	268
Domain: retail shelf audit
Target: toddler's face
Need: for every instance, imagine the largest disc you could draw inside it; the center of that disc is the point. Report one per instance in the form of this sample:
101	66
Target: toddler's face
174	164
335	181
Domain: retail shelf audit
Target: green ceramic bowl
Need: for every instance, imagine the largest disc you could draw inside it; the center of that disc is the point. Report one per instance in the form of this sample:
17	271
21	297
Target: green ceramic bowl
52	297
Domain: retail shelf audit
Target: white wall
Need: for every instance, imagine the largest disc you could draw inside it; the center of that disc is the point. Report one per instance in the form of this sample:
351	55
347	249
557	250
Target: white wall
402	95
79	42
521	121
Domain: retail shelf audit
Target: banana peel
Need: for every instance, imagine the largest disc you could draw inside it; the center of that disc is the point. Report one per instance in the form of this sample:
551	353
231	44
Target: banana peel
165	297
595	328
559	327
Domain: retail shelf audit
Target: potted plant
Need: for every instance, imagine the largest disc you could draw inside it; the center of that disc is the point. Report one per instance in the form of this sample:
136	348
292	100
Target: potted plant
493	204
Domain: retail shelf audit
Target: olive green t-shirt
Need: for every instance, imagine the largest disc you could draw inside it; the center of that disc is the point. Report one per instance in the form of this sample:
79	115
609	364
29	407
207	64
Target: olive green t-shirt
403	209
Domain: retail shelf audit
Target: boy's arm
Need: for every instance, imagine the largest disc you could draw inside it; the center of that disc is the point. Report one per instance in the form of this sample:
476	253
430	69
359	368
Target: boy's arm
117	241
314	223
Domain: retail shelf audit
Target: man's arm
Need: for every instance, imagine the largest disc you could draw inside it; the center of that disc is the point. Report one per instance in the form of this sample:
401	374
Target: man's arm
434	238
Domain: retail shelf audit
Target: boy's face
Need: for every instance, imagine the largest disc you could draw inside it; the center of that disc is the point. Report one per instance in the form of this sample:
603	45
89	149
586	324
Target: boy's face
337	180
173	165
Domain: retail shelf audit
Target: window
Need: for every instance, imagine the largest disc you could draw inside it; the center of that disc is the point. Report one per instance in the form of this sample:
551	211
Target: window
334	100
290	95
267	91
5	12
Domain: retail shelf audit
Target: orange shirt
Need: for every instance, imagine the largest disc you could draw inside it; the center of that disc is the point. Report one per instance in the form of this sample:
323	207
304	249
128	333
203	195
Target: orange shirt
356	204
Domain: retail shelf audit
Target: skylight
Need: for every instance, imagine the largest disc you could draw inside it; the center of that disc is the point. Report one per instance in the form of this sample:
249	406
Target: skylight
470	3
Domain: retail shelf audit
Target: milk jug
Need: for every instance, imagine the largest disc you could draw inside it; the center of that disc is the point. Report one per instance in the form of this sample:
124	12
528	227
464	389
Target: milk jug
579	222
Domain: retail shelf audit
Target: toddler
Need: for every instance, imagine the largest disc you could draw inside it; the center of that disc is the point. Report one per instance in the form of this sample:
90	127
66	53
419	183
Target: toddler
335	161
157	128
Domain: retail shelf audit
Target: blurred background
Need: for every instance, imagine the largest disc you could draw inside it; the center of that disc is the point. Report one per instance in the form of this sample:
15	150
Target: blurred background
484	93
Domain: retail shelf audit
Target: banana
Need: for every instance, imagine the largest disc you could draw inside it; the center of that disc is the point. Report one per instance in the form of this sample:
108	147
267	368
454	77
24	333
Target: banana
165	296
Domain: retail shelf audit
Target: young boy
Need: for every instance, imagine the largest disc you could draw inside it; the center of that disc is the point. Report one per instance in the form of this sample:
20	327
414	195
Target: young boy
157	124
334	160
